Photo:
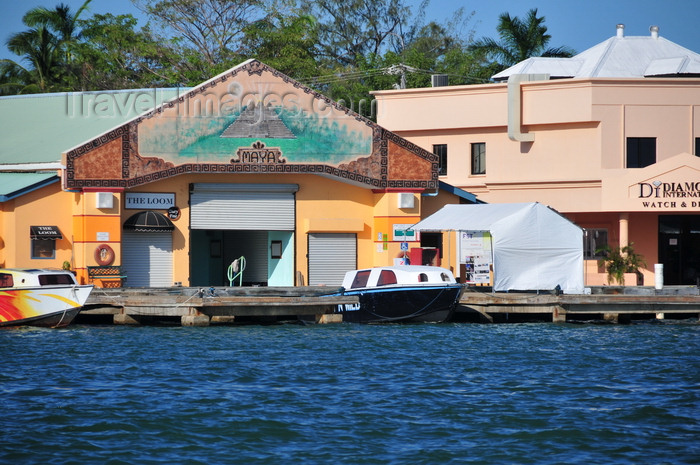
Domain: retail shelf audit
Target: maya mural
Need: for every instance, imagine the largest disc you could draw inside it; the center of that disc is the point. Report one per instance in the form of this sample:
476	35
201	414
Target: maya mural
250	119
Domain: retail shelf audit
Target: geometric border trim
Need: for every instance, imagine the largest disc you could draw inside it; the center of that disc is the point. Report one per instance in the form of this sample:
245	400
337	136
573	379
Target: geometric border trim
128	133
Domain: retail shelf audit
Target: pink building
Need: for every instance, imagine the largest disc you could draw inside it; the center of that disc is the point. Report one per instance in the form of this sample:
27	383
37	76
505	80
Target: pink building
610	138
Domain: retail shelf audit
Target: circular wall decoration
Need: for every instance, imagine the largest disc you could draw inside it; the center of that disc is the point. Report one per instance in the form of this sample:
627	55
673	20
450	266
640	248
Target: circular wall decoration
173	213
104	255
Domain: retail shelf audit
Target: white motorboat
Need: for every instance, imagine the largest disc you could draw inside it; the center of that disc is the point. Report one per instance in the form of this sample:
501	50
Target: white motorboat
407	293
39	297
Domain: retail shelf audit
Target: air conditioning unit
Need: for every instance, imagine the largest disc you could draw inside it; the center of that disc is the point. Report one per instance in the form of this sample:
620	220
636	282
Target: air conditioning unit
407	200
439	80
104	200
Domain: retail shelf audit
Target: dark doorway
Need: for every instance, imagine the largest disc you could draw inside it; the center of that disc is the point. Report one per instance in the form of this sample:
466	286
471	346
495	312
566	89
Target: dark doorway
428	239
679	249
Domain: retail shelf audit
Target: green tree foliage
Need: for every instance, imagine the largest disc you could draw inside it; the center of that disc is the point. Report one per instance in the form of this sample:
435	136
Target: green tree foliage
47	48
207	34
114	55
285	42
352	29
520	40
344	50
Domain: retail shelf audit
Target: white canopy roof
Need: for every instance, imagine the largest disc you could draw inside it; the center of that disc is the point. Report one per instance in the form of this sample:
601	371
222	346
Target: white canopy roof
534	247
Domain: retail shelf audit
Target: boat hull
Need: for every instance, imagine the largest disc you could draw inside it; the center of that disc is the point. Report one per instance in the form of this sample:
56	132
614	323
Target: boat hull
48	306
434	304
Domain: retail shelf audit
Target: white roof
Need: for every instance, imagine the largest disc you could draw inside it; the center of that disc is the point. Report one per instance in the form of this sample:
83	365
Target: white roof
617	57
534	247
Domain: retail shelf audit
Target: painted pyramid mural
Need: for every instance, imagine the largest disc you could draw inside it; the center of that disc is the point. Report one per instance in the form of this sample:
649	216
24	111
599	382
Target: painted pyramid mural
250	119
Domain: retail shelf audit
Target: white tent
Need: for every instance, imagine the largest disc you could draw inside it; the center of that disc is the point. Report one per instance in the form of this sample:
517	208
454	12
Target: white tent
534	247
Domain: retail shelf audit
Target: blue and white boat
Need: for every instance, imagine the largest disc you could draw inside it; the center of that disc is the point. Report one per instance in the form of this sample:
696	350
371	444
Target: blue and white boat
407	293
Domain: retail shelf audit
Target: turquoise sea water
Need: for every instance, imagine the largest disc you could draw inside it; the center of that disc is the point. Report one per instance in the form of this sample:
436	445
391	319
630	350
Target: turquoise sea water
351	394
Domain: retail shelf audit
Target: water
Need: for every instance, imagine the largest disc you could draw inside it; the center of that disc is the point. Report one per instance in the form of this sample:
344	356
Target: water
351	394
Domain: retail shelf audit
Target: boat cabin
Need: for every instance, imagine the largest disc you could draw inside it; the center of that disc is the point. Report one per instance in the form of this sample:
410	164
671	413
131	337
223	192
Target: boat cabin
397	275
35	278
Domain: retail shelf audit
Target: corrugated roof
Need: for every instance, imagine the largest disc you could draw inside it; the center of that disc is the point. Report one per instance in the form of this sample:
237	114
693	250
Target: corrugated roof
38	128
617	57
15	184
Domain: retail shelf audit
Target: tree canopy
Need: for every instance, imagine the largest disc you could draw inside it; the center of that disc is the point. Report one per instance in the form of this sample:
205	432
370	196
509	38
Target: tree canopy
342	49
520	40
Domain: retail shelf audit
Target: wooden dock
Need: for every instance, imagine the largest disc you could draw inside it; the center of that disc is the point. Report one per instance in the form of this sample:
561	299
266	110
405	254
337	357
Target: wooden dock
612	304
191	306
213	305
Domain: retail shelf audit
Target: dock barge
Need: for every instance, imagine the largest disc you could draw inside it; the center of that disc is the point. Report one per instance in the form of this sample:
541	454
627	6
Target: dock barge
191	306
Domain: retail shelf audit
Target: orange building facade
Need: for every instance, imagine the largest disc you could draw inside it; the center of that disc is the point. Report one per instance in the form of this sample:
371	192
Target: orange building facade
249	172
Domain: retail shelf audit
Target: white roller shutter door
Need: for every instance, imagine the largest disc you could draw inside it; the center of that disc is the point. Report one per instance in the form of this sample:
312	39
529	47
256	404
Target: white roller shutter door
267	207
331	255
147	258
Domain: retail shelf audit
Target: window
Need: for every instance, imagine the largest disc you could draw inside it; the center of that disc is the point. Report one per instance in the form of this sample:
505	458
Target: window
479	158
441	151
641	151
43	248
360	279
593	240
6	280
386	277
697	146
55	279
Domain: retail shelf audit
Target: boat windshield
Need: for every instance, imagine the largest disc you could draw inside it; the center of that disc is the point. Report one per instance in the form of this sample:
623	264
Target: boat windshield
386	277
52	279
6	280
361	278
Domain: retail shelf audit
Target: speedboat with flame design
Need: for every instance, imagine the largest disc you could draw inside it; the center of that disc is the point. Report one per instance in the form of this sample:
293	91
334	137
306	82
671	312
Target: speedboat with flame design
38	297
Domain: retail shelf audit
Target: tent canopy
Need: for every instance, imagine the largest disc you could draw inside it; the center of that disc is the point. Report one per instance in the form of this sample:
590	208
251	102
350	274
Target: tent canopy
534	247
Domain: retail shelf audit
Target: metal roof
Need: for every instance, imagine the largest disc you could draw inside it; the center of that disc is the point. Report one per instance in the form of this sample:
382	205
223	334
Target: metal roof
617	57
16	184
37	128
468	196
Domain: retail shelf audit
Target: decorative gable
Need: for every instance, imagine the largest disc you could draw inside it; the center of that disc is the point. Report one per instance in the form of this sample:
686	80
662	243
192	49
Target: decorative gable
250	119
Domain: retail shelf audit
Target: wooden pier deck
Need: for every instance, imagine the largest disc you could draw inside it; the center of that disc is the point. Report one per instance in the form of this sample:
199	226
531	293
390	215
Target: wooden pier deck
239	305
610	303
204	306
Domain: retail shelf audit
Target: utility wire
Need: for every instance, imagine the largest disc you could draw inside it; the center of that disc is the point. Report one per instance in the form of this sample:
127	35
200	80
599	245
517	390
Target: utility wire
390	70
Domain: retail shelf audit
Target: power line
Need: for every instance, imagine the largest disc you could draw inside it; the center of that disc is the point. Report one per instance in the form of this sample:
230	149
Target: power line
394	69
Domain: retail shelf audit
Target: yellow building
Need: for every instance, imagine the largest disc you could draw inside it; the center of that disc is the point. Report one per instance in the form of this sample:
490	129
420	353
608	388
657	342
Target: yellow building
175	186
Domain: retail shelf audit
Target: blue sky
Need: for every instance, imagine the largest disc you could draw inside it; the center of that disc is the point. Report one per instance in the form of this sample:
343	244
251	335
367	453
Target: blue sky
576	24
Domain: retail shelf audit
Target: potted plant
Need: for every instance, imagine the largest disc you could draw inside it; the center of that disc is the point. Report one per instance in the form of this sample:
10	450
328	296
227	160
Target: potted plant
66	266
621	260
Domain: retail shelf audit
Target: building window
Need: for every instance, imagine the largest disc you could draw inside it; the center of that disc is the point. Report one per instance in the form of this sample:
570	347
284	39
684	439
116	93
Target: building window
593	241
641	151
479	158
697	146
441	151
43	248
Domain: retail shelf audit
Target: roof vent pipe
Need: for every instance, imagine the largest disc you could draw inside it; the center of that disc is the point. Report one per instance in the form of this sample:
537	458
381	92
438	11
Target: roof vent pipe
654	32
620	31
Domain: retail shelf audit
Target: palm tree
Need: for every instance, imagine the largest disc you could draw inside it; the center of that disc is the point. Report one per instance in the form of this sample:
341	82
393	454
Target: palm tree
520	40
59	20
47	48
